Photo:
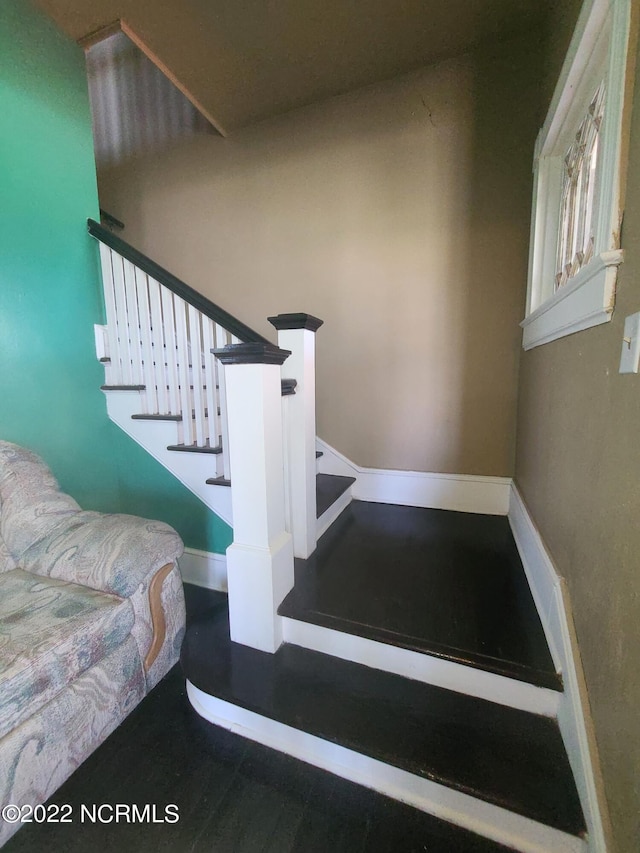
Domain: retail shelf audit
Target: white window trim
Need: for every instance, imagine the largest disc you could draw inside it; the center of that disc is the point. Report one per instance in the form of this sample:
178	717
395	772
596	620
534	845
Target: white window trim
600	41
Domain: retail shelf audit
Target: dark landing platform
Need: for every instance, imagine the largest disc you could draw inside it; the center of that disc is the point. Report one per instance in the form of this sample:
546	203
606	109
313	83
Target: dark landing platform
507	757
233	795
449	584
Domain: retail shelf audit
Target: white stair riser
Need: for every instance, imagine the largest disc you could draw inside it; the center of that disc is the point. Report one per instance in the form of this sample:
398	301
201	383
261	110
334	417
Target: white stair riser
505	827
422	667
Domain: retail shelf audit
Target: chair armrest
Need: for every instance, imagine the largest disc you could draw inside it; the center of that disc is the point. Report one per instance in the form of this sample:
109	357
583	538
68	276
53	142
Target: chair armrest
111	552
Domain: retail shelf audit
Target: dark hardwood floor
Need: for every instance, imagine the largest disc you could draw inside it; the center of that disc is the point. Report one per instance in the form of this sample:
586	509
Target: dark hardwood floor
233	796
447	583
507	757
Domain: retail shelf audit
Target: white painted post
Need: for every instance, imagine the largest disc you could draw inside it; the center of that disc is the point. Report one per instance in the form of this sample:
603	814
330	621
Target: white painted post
297	332
260	560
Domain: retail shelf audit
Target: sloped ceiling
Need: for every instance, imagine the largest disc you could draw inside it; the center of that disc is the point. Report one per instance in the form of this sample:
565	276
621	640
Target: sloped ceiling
241	61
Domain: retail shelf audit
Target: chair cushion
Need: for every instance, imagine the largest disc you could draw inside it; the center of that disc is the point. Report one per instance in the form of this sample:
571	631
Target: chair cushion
51	631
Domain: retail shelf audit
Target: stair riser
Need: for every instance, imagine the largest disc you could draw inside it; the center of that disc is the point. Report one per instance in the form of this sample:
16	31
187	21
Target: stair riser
327	518
155	436
422	667
491	821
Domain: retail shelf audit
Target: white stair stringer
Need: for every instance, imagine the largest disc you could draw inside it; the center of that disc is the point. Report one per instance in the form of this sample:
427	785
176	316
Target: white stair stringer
327	518
491	821
192	469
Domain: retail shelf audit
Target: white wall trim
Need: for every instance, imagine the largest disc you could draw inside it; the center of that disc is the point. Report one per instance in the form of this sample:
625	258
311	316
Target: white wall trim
586	300
486	819
458	492
422	667
204	568
550	595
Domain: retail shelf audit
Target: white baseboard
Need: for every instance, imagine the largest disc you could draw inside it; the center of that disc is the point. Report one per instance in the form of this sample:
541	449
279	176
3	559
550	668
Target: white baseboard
550	595
514	831
203	568
458	492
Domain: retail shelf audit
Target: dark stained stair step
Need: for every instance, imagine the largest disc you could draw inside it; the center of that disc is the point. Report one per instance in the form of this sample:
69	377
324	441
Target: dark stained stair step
288	387
218	481
123	387
329	487
165	417
194	448
503	756
156	417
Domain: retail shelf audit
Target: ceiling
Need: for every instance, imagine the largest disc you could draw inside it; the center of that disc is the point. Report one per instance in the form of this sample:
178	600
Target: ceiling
135	108
241	61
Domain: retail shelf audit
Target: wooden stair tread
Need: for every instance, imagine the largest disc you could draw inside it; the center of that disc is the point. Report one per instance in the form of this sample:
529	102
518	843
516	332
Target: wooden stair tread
329	487
123	387
194	448
504	756
167	417
218	481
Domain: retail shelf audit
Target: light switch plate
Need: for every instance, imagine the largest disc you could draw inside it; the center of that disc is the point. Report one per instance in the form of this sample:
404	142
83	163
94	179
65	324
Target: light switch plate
630	356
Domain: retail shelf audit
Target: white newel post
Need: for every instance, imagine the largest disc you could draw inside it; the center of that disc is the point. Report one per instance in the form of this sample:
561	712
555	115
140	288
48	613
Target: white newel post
297	333
260	560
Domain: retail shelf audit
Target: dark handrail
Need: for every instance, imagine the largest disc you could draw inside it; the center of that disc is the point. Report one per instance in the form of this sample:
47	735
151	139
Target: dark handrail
204	305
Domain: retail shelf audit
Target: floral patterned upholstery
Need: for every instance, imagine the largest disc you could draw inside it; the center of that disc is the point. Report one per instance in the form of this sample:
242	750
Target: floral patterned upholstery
50	632
91	617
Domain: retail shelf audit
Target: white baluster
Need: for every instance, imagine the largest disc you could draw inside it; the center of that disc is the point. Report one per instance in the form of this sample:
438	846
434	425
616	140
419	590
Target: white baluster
222	340
122	319
113	373
197	374
144	313
134	323
208	343
183	369
171	352
157	339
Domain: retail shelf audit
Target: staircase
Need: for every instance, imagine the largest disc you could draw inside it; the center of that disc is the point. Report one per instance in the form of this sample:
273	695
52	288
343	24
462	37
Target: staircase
404	652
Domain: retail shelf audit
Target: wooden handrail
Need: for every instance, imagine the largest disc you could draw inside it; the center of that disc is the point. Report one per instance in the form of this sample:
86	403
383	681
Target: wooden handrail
164	277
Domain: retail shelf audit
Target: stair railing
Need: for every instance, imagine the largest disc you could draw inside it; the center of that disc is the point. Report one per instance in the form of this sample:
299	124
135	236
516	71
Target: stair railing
158	340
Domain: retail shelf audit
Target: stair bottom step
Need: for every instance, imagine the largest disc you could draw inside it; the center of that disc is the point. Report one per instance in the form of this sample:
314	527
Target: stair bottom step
507	760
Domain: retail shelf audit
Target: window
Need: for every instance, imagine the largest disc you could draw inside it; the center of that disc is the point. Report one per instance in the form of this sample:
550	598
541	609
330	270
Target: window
574	253
575	243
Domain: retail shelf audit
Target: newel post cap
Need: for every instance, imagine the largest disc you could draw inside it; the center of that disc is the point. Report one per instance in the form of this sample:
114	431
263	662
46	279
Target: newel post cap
251	353
296	321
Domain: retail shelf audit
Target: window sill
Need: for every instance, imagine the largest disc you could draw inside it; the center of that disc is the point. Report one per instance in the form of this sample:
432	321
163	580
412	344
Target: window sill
587	300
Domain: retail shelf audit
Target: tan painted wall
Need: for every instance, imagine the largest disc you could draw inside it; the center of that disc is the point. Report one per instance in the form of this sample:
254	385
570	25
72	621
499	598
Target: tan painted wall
578	468
399	215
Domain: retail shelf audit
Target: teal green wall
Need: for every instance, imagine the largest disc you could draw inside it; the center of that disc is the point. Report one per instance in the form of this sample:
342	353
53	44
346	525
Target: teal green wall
50	289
